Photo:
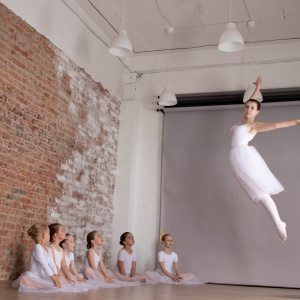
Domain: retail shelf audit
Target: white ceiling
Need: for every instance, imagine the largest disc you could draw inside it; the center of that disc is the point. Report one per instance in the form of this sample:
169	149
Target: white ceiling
198	23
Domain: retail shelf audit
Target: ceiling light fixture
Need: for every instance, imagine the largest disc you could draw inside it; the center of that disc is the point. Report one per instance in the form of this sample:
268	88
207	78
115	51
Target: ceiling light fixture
231	40
168	98
121	45
251	87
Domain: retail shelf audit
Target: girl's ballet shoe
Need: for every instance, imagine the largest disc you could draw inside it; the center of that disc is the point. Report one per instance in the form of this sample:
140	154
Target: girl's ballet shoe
282	231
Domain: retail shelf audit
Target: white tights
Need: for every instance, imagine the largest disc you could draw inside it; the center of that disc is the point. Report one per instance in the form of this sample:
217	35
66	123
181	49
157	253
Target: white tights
271	208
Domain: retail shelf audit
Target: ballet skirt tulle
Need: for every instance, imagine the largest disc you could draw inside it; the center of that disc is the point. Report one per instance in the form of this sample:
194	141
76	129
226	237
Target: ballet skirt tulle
159	277
29	282
249	167
97	279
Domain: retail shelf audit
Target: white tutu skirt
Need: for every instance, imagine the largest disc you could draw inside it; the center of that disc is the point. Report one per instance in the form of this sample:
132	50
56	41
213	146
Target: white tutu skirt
86	284
29	282
97	279
125	279
253	173
159	277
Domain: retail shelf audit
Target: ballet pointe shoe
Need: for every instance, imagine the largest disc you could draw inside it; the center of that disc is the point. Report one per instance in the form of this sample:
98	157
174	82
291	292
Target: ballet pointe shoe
281	228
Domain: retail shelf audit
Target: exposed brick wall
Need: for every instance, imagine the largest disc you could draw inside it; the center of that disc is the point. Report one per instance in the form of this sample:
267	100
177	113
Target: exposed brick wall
58	144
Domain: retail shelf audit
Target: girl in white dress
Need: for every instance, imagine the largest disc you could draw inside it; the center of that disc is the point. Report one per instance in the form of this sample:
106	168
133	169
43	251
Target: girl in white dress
125	269
247	164
58	234
94	266
168	271
68	246
42	274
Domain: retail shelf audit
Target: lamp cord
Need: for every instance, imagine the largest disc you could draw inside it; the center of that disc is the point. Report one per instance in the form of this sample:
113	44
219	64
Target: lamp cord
229	11
168	60
252	58
123	14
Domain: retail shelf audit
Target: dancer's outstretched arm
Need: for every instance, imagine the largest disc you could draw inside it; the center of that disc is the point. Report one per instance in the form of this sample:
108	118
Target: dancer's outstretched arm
262	126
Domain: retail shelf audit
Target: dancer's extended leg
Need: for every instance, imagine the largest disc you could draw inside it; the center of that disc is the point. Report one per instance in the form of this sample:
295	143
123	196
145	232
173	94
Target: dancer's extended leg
271	208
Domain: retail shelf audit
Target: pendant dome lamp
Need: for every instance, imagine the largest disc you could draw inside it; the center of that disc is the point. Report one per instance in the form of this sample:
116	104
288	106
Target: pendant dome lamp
121	45
167	97
231	40
251	87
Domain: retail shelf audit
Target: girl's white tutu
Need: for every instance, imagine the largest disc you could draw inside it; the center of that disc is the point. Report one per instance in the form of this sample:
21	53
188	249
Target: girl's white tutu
86	284
159	277
137	279
249	167
29	282
97	279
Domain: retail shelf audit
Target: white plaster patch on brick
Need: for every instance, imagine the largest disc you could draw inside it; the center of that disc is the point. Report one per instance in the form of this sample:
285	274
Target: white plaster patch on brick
61	178
73	108
88	175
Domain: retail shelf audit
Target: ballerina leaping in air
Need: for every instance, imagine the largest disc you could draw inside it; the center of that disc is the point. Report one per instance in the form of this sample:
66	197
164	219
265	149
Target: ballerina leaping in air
249	167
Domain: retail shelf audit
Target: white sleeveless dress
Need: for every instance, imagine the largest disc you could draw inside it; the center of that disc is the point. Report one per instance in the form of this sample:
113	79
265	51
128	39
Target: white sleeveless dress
95	276
249	167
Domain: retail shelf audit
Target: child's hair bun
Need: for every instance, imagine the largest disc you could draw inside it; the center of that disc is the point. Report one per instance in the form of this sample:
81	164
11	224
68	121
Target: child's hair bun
32	231
123	237
37	229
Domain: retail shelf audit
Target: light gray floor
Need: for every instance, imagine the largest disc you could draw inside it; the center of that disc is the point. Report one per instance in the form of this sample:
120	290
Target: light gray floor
160	292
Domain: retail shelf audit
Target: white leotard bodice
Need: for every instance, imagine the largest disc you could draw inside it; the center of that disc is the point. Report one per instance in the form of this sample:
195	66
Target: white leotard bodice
41	261
127	258
168	260
58	256
97	259
69	259
240	135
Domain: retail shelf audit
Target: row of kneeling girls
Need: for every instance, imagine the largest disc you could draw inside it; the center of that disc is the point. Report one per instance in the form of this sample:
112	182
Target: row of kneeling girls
52	266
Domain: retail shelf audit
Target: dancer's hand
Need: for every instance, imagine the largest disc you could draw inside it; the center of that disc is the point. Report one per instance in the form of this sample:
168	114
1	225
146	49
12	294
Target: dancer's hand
109	279
258	81
56	281
80	279
57	284
176	278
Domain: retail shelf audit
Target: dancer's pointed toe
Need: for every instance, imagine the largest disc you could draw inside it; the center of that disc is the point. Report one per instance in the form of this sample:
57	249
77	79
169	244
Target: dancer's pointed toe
281	228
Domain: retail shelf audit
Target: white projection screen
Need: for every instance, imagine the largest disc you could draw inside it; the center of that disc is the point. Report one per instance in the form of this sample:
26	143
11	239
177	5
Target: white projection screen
219	234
